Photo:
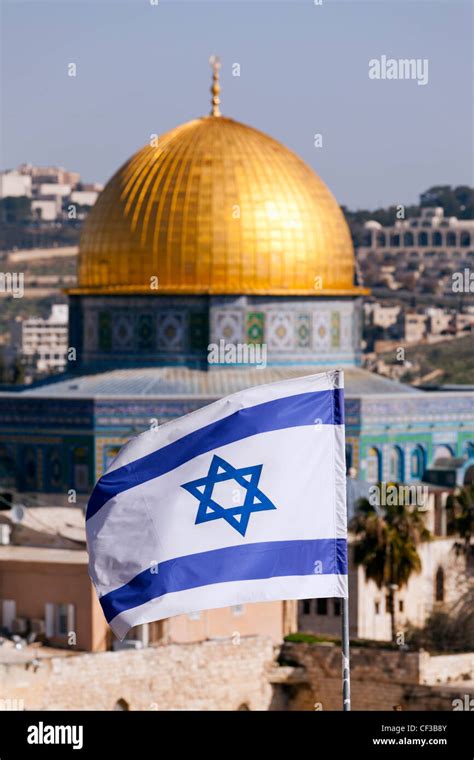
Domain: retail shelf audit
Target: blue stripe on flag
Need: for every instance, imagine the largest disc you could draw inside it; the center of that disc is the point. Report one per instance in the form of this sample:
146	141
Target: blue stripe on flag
327	407
234	563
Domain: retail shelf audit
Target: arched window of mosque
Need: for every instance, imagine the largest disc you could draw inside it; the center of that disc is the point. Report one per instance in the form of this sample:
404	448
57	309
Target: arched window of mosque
243	706
348	456
30	468
55	467
381	239
469	450
408	238
437	239
374	465
396	464
439	585
395	240
423	238
451	239
121	704
417	462
80	469
465	239
110	452
7	466
441	453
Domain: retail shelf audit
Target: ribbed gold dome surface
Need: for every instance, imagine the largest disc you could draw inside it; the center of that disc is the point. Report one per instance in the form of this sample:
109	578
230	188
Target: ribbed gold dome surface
220	208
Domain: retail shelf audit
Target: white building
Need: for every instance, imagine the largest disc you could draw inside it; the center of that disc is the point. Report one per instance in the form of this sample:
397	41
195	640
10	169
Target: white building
43	343
84	197
431	234
50	188
47	209
53	188
438	586
380	315
14	184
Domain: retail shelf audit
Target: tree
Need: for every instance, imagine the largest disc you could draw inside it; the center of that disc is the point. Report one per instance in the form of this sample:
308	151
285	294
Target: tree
387	547
460	508
14	210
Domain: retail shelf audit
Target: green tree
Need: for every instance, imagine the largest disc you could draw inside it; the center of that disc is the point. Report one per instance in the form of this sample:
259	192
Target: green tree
14	210
387	547
460	508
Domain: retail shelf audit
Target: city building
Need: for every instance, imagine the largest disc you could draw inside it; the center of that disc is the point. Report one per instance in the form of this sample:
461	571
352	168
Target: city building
51	189
41	344
440	584
50	174
13	184
430	234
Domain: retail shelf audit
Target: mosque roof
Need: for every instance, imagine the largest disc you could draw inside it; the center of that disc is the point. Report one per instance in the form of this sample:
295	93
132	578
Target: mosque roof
185	382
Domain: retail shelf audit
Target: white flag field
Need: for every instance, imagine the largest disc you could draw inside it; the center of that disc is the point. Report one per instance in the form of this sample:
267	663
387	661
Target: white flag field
242	501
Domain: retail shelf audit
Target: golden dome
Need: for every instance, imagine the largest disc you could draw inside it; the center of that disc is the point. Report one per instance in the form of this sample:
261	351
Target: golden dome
216	207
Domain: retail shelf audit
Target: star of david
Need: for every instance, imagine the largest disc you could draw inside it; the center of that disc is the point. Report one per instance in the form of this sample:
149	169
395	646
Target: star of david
237	516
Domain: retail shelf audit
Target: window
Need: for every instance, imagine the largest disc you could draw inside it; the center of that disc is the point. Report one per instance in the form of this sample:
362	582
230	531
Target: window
348	456
306	606
80	469
8	613
396	465
60	619
110	452
417	462
439	585
374	466
377	608
337	607
469	450
321	606
401	605
442	452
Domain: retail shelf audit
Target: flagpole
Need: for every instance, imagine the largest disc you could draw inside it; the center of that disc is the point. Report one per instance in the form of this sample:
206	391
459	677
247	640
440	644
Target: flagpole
346	670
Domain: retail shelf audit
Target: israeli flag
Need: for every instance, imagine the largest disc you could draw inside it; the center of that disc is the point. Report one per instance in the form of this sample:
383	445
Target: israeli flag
241	501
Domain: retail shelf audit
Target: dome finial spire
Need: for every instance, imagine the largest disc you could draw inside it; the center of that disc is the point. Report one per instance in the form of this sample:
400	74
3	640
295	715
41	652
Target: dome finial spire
215	62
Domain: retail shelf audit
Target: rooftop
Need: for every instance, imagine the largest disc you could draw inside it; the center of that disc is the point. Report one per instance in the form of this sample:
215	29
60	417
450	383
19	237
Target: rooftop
43	554
182	382
31	654
52	527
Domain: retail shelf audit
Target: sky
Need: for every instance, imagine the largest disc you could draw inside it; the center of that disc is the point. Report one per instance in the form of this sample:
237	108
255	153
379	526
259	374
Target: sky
142	68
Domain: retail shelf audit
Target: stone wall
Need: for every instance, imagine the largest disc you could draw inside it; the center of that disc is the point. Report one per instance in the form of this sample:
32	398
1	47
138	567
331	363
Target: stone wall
213	675
380	678
235	674
446	668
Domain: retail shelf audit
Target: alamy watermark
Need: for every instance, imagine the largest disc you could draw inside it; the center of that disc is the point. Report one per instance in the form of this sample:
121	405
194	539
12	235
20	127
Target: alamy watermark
399	68
254	354
395	495
12	283
463	282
